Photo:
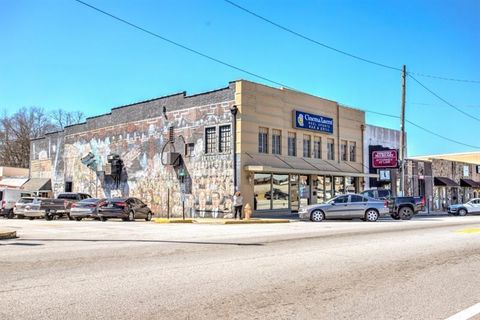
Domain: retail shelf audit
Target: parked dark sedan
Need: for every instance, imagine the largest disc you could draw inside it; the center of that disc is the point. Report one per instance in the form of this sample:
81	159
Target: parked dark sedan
127	209
87	208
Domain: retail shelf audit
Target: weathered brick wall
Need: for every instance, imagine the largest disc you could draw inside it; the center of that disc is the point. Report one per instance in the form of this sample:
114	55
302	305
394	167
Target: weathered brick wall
138	133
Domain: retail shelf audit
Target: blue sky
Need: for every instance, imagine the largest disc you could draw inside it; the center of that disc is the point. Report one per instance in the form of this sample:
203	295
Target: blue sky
60	54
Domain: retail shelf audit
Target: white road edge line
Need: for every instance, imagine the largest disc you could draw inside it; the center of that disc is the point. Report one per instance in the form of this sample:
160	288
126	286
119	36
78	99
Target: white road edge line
467	313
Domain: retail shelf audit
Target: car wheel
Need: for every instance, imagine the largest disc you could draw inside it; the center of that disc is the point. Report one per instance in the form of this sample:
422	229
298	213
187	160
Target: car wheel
395	216
48	216
10	214
31	218
103	219
405	213
462	212
371	215
149	216
317	216
69	216
78	218
131	216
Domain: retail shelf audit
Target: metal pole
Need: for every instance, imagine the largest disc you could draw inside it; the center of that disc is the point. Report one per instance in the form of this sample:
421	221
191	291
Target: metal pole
183	207
402	132
168	203
234	111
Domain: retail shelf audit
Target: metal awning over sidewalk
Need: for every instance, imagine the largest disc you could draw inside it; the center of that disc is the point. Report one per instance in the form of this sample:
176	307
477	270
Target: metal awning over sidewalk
294	165
444	182
38	184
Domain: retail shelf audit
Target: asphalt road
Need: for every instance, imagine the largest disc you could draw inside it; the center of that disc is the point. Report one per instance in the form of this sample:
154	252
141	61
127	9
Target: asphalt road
420	269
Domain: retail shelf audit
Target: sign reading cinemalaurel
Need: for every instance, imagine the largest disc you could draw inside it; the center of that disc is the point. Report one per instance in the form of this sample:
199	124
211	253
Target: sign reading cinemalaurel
309	121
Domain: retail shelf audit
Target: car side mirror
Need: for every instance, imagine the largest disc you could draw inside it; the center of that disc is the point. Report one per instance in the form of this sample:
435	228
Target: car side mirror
333	203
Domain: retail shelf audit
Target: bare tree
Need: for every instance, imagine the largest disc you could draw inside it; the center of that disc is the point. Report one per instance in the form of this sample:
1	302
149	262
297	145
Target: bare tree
62	118
17	130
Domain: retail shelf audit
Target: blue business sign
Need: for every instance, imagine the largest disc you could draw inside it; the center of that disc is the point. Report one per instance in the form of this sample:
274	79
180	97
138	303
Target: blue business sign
308	121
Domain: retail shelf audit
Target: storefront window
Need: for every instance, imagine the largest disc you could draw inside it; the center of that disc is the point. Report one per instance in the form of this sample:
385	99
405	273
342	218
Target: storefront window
261	188
320	188
279	193
350	184
339	187
328	188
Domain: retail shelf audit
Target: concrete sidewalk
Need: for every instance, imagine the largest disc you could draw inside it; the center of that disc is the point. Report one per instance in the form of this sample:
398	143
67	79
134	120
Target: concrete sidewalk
7	234
219	221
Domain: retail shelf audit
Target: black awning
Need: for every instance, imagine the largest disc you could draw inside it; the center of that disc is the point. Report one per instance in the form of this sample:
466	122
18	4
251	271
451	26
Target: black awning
469	183
444	182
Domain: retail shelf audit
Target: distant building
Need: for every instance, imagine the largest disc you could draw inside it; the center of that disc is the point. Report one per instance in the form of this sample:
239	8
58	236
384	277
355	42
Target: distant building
11	177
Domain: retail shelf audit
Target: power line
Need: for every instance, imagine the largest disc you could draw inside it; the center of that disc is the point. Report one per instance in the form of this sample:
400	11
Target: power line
302	36
243	70
424	129
440	105
182	46
443	100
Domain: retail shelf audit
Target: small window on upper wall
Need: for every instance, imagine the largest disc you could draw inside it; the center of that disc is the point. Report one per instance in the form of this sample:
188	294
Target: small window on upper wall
331	149
190	149
292	144
343	150
276	141
225	143
210	140
263	140
353	151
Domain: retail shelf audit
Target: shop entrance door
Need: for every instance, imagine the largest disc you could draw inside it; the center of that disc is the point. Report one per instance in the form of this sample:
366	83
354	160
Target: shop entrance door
304	190
294	192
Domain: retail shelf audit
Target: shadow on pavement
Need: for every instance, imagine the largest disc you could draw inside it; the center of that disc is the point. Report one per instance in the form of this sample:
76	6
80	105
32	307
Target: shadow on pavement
144	241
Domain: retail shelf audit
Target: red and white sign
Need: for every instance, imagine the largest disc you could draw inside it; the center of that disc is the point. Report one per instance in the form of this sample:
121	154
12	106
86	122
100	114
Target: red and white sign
384	159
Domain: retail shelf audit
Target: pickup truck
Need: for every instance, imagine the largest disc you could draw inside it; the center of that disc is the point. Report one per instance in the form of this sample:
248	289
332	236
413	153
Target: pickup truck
405	207
50	208
400	207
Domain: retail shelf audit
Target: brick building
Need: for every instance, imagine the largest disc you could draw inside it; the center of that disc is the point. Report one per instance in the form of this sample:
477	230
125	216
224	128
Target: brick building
188	153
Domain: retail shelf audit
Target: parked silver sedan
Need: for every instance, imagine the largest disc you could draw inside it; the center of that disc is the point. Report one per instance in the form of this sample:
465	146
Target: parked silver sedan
472	206
346	207
87	208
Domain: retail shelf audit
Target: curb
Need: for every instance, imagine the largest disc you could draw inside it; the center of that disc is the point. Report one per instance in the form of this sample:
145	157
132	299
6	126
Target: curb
244	221
175	220
4	234
219	221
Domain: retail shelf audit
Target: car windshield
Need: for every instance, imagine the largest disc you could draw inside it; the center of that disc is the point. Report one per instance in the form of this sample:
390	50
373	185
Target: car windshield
25	200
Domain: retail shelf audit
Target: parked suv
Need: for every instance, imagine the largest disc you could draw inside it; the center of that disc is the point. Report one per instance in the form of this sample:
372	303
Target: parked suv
8	198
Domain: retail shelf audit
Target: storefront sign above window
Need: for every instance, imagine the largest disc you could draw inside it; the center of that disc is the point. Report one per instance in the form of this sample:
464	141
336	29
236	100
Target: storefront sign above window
384	159
308	121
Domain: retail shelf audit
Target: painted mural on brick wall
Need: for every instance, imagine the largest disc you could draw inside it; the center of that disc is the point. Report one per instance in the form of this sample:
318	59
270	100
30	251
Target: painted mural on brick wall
139	145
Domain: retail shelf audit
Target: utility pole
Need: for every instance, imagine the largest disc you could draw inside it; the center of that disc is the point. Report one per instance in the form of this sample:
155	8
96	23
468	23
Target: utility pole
402	132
